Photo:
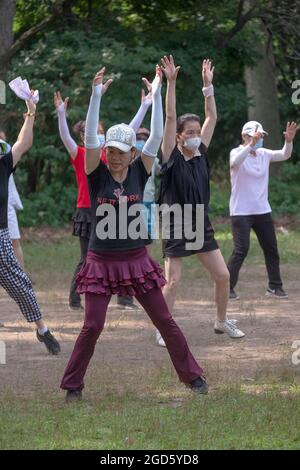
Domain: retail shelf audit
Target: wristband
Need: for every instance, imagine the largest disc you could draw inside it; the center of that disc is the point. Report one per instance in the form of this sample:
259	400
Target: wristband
208	90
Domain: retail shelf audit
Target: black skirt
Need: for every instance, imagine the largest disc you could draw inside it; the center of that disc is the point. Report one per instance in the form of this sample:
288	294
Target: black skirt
82	222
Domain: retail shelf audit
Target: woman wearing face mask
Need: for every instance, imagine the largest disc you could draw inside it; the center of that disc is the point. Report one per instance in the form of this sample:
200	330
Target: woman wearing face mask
82	215
185	180
120	264
249	206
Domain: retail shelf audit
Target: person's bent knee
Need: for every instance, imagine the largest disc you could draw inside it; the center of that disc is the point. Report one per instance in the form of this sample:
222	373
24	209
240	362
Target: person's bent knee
172	283
241	252
223	277
93	328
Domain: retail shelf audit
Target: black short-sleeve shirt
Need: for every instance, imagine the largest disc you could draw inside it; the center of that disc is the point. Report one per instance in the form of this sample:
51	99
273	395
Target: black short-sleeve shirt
185	181
104	189
6	168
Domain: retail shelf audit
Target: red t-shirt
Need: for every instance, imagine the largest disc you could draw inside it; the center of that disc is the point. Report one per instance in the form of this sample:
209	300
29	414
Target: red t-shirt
83	196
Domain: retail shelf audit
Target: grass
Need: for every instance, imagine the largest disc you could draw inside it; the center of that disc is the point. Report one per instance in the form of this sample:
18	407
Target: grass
233	417
263	414
60	258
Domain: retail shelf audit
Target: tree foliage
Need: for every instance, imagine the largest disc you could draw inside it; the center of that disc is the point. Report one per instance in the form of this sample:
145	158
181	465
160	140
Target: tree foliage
129	37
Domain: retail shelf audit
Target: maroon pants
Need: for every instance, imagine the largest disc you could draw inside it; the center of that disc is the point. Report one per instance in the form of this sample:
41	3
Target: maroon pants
95	312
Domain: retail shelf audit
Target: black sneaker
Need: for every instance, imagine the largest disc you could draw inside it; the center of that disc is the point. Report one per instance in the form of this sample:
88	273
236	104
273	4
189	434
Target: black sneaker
277	292
126	302
1	324
75	307
50	342
233	295
73	396
199	385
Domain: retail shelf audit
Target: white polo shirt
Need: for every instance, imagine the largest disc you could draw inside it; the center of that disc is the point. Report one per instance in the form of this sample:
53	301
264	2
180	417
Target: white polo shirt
250	178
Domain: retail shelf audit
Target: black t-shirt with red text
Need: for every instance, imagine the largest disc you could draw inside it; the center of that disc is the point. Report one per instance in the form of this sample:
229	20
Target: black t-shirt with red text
116	200
6	168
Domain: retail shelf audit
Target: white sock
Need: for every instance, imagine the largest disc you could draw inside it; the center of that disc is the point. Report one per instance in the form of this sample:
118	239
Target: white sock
42	331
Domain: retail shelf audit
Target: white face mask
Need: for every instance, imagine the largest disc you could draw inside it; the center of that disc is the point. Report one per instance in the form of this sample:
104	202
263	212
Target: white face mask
192	143
101	138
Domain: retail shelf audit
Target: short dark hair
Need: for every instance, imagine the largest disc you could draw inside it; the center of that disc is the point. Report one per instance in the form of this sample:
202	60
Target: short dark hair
182	120
79	127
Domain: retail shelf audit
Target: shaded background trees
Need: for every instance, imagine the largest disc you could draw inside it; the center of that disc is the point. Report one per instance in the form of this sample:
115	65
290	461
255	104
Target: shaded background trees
60	44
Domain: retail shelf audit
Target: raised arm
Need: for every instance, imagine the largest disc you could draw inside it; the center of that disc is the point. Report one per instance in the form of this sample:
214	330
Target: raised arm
239	155
92	145
286	151
210	104
61	108
25	137
146	101
169	137
153	142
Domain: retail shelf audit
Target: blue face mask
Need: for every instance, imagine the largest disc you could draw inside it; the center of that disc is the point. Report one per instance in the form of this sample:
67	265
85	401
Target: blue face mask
140	145
259	144
101	138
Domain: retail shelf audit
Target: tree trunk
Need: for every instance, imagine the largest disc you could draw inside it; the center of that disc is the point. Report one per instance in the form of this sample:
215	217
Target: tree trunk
7	13
261	87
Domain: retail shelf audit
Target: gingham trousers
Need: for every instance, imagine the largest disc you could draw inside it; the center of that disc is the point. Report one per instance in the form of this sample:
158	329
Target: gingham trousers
16	283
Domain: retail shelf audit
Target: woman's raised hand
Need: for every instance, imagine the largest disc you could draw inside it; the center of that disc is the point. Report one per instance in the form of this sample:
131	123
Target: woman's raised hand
169	68
59	103
98	80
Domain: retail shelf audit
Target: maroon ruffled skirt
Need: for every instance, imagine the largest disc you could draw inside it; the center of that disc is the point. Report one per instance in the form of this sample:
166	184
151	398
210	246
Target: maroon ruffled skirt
130	272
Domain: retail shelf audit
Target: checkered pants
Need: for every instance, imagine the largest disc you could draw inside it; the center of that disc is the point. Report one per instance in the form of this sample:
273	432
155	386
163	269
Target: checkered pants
16	283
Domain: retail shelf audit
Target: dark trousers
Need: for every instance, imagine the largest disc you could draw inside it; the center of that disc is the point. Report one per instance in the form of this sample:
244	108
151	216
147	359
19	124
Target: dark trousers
74	298
95	313
263	227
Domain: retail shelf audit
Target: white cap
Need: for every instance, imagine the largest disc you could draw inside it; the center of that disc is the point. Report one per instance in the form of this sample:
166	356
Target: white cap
250	126
120	136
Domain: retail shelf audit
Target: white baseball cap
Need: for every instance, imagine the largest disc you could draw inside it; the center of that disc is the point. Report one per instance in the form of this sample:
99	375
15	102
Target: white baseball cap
250	126
121	136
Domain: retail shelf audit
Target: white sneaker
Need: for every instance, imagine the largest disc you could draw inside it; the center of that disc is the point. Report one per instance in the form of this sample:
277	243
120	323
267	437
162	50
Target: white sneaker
229	327
159	340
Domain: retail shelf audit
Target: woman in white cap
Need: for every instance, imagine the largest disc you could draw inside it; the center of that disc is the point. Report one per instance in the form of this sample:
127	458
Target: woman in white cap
249	205
82	215
117	261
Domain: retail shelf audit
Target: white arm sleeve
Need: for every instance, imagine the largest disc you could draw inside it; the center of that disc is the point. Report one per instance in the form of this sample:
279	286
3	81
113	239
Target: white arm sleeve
157	126
64	132
139	117
92	119
283	154
239	155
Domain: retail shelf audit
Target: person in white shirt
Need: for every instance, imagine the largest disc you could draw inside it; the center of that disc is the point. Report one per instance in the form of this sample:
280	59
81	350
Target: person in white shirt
249	205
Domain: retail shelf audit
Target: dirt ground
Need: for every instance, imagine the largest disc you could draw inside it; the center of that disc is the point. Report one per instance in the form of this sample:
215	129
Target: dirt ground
126	355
